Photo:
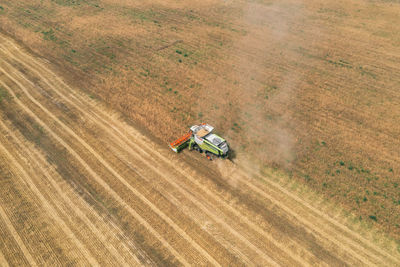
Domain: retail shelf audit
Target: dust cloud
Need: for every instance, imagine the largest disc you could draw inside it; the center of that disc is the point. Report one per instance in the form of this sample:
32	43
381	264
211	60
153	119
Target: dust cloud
266	91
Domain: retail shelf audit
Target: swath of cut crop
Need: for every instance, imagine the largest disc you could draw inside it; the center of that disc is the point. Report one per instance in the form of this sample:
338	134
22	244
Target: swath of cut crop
49	208
112	170
16	236
78	210
364	246
44	239
3	260
97	178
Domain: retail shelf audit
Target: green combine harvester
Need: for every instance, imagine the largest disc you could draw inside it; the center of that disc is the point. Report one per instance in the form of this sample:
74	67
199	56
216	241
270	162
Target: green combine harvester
201	138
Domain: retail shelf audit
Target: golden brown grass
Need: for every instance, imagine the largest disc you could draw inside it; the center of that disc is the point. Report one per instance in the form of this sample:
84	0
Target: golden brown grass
309	87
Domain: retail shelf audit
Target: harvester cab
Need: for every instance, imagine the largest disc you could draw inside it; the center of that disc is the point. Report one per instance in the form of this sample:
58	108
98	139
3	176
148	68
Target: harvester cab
202	139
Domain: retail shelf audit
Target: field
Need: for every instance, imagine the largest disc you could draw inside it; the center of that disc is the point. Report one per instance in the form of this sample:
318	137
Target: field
305	91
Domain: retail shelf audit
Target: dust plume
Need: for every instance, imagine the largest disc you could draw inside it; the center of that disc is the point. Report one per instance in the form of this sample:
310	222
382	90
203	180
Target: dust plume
265	97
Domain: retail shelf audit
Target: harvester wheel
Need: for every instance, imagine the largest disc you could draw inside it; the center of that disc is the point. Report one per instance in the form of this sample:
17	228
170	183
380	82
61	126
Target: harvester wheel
197	148
208	155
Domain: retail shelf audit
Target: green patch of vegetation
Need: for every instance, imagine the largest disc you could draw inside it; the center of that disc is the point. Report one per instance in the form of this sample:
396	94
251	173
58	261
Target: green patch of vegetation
270	90
70	60
373	217
181	52
366	72
75	2
3	94
336	12
155	253
192	17
148	15
365	170
67	2
236	127
145	72
384	34
307	177
319	145
49	35
340	63
106	48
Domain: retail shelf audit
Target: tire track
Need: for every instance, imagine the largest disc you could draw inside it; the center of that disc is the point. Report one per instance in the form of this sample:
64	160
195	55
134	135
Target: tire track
195	202
334	222
56	174
117	175
202	207
94	229
40	233
98	179
36	229
46	204
338	243
16	236
206	190
12	254
322	233
235	211
305	204
193	196
3	261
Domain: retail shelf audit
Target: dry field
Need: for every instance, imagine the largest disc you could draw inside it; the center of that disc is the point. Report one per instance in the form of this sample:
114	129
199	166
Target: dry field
305	91
305	87
80	186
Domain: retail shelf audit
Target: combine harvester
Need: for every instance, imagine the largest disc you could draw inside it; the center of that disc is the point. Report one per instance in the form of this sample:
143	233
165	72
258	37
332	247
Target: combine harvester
201	138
